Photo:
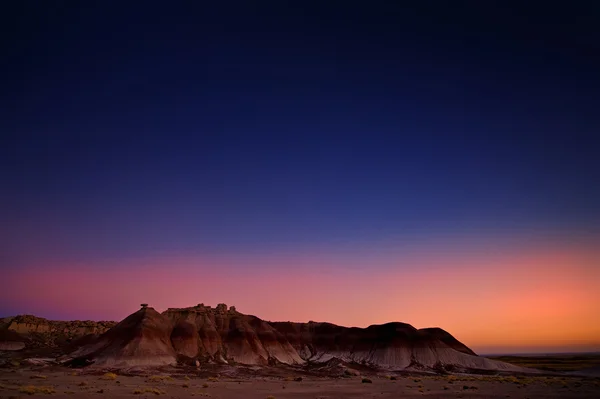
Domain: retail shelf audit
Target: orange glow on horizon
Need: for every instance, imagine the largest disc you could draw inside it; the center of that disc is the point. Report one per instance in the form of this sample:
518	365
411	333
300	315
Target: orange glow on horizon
523	300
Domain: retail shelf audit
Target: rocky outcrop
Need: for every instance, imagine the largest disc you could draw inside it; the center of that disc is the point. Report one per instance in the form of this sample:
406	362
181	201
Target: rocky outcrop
11	345
35	332
27	324
11	341
40	332
224	335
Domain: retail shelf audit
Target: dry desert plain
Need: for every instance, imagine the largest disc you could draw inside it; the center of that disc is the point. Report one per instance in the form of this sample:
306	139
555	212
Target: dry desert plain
278	383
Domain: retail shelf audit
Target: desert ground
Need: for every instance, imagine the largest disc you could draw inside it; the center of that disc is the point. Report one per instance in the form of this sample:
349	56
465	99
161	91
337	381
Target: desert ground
268	383
582	363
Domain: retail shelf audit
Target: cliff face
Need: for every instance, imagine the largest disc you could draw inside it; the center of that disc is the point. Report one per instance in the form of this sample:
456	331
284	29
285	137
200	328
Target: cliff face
34	331
225	335
27	324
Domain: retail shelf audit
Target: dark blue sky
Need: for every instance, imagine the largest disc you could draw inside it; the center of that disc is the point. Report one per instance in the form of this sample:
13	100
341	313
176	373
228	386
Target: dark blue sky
130	128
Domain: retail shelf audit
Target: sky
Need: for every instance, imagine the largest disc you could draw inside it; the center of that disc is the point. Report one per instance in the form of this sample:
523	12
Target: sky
353	162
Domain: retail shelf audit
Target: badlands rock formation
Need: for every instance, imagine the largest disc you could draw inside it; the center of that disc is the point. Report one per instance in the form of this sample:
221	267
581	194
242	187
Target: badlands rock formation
225	335
392	346
35	332
141	339
222	335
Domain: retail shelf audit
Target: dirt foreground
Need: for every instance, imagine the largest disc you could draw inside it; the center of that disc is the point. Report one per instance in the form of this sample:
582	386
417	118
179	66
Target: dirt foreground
67	383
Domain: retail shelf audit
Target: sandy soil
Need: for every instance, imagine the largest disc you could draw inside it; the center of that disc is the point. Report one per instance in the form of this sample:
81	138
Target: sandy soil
69	384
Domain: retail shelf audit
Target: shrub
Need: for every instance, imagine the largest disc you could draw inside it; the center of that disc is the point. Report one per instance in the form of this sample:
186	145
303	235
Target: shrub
205	385
366	381
38	377
213	379
31	390
155	391
160	378
109	376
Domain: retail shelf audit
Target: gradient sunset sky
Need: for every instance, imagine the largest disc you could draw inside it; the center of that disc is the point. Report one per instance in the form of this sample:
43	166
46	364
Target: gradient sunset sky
352	162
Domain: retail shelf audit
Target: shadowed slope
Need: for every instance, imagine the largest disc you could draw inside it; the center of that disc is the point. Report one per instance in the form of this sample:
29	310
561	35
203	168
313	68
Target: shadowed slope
448	339
141	339
392	346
